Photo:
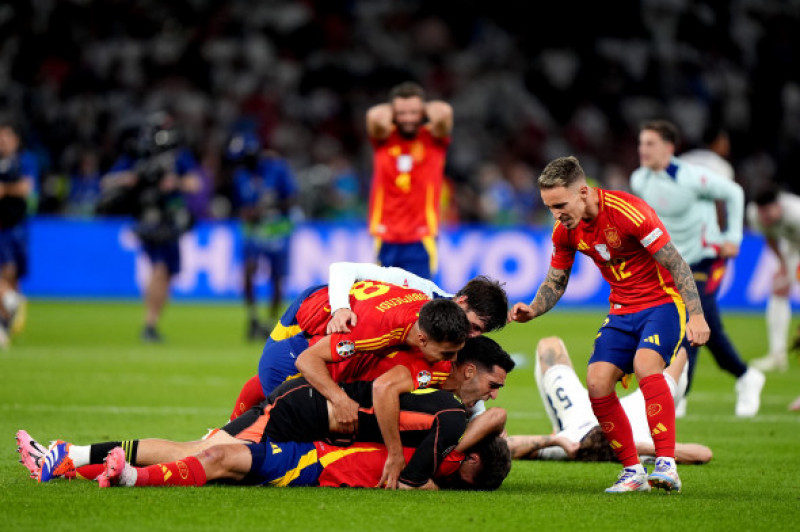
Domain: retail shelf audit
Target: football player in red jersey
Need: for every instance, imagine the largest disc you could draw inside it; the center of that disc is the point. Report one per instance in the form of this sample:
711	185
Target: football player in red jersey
651	289
409	138
433	421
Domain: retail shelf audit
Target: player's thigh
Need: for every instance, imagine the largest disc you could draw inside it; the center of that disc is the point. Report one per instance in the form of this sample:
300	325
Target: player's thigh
283	464
616	342
662	330
277	361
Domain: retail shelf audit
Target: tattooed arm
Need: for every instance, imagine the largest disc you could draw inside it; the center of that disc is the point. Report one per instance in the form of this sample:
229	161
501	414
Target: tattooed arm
550	291
697	331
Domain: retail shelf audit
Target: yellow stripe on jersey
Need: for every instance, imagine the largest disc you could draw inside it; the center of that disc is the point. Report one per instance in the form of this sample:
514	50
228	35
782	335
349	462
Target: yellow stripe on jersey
281	332
625	208
431	211
377	209
678	300
429	243
330	458
310	458
611	198
387	339
423	391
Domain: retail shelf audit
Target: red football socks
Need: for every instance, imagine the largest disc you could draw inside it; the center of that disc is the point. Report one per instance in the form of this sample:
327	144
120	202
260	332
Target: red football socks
251	395
660	413
616	427
186	472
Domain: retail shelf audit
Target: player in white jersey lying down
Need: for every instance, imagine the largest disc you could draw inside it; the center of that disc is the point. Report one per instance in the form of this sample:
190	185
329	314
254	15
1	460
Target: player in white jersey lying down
576	432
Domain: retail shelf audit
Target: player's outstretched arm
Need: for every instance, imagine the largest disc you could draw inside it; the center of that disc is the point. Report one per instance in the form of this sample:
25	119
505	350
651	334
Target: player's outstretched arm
312	363
685	453
697	331
550	291
527	447
386	391
493	421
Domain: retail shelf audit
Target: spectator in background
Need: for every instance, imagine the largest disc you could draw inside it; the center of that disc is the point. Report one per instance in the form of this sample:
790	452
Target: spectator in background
18	176
410	138
265	193
84	185
776	214
683	195
150	182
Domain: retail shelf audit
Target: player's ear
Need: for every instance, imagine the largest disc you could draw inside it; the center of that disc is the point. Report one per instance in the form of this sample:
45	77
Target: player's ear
460	300
470	370
473	458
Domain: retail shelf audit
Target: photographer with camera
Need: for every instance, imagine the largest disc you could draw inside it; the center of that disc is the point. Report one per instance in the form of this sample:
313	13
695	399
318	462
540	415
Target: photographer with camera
149	182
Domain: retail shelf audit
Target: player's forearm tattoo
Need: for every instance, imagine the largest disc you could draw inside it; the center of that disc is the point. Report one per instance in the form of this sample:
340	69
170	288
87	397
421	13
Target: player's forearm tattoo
670	259
550	291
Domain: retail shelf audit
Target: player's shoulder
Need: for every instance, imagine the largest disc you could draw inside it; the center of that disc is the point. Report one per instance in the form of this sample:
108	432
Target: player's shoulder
624	207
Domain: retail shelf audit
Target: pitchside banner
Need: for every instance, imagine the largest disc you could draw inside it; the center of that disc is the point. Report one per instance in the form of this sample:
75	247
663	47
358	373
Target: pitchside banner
101	258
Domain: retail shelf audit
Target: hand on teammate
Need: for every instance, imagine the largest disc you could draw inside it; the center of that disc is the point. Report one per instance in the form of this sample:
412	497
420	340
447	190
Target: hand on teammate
520	312
697	331
391	471
339	321
345	412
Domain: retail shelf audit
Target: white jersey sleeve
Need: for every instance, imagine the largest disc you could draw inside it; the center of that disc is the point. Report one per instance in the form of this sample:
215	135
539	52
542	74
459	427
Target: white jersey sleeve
567	403
711	185
342	275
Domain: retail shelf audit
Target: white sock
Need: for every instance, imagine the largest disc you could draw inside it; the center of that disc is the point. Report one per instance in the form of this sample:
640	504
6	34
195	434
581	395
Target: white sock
128	476
639	468
79	454
10	301
779	316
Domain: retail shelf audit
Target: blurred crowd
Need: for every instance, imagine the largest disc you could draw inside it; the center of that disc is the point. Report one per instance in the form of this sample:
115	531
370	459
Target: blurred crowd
527	84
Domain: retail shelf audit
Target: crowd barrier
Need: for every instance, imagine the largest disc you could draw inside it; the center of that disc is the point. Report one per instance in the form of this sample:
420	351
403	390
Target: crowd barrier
102	259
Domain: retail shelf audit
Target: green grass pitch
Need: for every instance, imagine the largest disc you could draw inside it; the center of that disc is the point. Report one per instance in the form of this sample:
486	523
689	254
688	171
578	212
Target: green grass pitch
78	372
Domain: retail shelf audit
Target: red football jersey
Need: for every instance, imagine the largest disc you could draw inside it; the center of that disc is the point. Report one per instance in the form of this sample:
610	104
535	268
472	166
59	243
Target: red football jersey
386	313
361	464
370	366
621	242
406	186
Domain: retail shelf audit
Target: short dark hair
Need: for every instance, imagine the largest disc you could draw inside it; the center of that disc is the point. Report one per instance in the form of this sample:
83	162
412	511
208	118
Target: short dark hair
444	321
496	461
766	196
495	465
594	447
407	89
665	129
561	172
485	352
488	299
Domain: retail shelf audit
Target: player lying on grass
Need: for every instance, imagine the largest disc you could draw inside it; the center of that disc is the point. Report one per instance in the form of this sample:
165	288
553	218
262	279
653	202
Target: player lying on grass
299	413
484	467
308	318
576	432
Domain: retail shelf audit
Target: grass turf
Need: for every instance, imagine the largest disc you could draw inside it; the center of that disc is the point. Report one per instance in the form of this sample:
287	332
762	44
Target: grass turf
79	373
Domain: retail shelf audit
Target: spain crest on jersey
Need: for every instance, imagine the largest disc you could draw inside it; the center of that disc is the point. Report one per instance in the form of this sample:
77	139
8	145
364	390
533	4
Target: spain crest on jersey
612	237
345	348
